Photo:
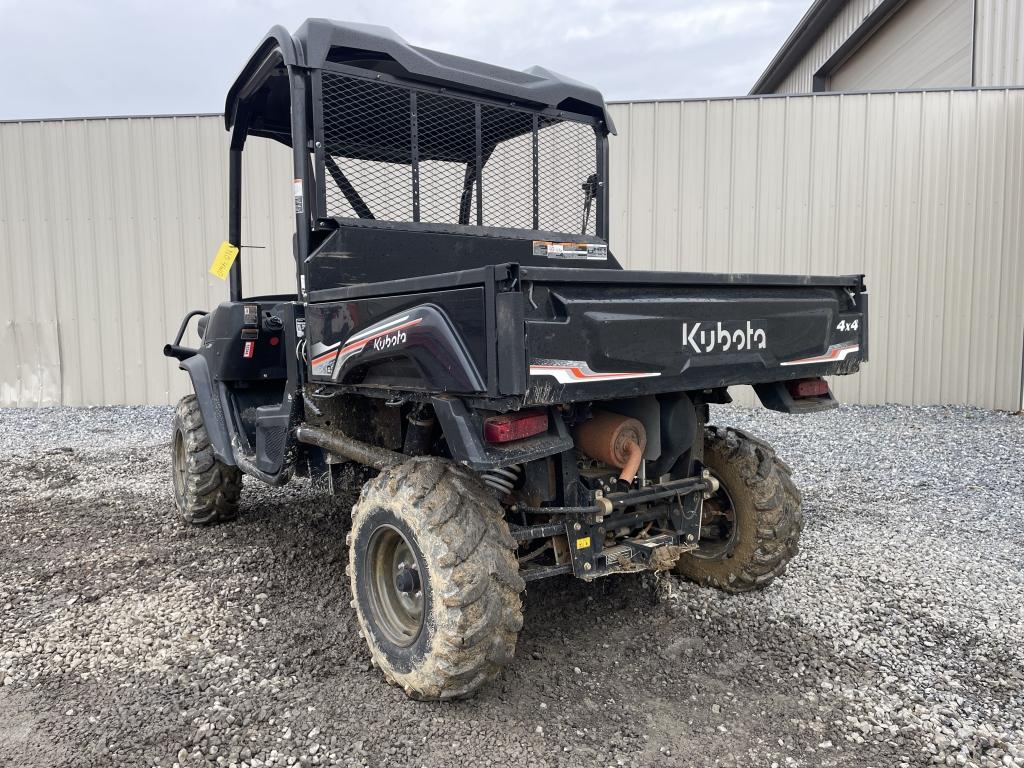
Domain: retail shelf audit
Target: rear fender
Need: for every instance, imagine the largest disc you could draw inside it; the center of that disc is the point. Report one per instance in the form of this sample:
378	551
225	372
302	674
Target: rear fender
422	335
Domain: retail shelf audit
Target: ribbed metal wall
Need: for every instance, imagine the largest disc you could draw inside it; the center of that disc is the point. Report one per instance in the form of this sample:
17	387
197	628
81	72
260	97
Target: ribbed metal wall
926	44
107	228
922	192
998	56
999	43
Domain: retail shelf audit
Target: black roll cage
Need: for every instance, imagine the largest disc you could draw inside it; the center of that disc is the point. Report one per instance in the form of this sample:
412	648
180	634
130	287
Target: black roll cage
281	63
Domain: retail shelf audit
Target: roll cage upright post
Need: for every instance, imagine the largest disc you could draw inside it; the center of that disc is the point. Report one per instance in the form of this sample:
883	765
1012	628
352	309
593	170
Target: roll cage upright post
279	49
235	206
301	165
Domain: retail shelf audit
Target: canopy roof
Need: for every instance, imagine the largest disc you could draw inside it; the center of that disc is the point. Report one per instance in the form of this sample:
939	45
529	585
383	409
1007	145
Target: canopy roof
263	85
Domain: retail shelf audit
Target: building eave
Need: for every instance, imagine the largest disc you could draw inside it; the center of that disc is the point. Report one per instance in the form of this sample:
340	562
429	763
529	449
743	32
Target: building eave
801	39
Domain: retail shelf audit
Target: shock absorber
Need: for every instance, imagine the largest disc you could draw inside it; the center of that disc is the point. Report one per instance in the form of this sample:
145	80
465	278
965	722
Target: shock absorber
502	479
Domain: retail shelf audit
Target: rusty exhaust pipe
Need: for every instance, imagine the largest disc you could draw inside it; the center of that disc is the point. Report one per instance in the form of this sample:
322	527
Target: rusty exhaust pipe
614	439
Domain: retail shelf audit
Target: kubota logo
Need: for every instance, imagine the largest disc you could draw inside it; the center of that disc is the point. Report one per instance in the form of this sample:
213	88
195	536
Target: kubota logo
718	338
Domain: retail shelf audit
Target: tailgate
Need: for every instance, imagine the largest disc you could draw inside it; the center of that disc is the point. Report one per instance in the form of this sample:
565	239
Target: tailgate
605	335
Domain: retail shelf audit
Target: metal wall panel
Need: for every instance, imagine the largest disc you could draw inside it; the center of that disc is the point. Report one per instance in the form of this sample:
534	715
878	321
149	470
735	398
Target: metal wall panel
801	78
999	43
107	228
921	191
997	27
926	44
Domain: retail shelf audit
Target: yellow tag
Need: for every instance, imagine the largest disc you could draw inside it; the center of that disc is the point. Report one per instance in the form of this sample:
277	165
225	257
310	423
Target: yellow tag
223	260
583	543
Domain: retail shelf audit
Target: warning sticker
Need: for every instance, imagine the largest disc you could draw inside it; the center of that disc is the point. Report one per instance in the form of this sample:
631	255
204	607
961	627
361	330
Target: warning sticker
223	260
589	251
583	543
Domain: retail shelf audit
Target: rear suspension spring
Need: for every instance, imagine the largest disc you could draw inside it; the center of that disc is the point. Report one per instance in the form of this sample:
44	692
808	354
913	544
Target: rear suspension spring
502	479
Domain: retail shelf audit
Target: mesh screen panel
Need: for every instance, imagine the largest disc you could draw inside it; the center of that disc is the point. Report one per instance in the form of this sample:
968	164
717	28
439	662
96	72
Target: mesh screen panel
567	160
365	119
508	173
395	154
446	129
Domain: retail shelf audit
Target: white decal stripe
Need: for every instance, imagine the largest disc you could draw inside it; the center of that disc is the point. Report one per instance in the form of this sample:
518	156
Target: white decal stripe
577	372
319	348
375	328
834	354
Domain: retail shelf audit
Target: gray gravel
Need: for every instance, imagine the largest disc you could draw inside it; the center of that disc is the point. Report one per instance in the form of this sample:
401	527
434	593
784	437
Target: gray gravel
896	639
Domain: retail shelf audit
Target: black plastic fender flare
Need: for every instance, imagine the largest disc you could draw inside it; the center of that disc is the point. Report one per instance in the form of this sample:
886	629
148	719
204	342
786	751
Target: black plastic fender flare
210	406
425	336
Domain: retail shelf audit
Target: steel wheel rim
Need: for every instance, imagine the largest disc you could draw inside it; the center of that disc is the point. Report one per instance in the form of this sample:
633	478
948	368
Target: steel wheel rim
180	465
724	530
393	583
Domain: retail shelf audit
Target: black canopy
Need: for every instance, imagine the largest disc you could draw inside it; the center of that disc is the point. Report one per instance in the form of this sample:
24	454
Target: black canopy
263	86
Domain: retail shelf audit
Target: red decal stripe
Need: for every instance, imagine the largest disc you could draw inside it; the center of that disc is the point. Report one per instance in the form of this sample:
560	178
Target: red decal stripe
325	356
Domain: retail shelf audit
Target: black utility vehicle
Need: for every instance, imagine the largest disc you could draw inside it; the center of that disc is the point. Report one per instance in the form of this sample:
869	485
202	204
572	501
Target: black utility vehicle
460	326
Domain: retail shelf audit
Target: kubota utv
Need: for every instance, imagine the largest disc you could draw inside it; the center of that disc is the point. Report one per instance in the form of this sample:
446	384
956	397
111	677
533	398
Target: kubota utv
460	327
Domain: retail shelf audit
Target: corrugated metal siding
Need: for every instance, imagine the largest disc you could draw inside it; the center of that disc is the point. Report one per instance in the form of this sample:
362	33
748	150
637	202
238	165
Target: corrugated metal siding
922	192
999	46
926	44
997	52
801	77
107	228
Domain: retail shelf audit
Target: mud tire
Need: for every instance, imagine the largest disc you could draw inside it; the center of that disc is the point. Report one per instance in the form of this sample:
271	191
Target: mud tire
768	511
206	490
471	610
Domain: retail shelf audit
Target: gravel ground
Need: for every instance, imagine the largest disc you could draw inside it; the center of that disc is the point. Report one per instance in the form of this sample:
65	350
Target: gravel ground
897	638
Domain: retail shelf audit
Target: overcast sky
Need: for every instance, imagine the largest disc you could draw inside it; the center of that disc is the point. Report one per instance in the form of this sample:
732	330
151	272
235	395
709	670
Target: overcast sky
114	57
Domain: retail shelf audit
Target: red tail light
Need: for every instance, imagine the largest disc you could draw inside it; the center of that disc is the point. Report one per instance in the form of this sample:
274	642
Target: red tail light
807	388
515	426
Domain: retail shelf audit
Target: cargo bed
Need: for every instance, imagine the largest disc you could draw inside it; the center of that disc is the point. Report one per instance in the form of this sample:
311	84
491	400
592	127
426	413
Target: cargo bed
548	335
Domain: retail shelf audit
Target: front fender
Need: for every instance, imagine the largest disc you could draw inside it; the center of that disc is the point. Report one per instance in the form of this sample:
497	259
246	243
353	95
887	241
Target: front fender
210	406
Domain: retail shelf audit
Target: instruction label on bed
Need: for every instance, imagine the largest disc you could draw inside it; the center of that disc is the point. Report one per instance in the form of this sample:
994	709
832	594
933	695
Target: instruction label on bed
552	250
223	260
